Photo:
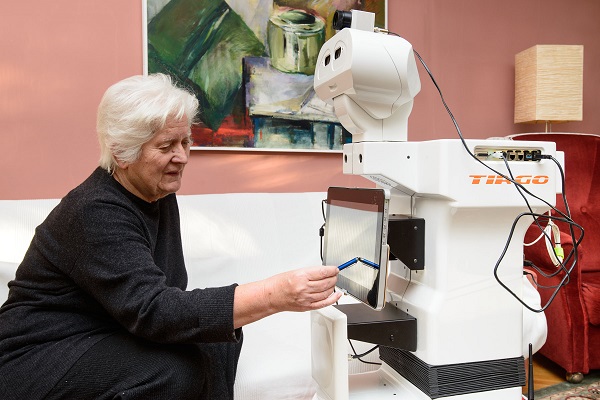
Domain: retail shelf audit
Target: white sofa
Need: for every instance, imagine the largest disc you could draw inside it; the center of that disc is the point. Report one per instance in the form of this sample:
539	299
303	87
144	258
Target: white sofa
240	238
227	238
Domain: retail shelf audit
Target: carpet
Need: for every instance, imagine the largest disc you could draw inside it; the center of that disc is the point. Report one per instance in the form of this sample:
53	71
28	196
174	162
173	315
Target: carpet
589	388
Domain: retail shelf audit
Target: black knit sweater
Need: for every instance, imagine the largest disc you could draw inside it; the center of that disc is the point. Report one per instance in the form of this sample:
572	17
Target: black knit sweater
103	261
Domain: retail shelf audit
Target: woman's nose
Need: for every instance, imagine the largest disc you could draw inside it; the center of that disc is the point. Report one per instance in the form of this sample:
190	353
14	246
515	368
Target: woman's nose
182	154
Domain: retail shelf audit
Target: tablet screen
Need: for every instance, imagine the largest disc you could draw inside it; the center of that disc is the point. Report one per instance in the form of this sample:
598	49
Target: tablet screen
356	242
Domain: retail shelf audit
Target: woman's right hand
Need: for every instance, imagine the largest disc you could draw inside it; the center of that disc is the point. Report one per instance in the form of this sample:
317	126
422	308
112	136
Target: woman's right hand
302	289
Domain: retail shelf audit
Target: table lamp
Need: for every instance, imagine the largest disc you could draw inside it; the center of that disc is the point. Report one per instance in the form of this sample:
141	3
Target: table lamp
549	84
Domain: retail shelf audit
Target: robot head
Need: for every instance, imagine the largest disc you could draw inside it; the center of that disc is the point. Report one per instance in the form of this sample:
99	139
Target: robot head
368	77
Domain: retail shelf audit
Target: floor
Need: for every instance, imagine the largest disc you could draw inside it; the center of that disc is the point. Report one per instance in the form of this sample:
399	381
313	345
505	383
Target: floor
545	373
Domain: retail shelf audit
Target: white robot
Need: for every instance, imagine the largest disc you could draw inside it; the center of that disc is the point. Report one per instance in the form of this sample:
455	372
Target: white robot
468	326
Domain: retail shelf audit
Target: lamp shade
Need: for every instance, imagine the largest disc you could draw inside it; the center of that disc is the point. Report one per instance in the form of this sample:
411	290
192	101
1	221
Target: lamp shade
549	84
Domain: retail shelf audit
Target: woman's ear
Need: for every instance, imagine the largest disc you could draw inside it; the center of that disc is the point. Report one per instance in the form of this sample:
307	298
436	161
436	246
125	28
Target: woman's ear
121	164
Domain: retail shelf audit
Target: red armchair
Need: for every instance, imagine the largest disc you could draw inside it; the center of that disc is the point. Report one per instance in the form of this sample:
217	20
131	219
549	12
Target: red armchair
574	316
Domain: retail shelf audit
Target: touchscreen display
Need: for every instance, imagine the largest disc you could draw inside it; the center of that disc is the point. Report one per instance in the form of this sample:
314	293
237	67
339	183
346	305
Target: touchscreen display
355	241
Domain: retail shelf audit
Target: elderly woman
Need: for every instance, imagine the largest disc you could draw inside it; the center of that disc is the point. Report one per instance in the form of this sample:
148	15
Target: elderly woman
99	307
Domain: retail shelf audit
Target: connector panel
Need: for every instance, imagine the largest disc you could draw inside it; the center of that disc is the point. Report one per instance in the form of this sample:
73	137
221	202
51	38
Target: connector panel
509	153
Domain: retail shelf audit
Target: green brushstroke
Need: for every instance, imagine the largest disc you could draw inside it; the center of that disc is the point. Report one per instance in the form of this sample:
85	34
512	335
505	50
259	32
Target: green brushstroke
202	44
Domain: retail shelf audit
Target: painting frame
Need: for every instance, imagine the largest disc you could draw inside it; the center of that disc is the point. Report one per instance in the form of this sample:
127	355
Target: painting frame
259	117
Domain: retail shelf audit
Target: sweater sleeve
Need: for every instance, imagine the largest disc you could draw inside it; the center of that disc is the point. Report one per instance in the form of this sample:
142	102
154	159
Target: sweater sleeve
117	266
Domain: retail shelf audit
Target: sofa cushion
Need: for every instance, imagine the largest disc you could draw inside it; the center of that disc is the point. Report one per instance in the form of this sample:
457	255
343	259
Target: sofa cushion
19	220
7	274
229	238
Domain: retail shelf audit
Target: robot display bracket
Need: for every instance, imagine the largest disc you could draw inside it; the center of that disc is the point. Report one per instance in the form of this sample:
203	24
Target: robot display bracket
406	238
389	327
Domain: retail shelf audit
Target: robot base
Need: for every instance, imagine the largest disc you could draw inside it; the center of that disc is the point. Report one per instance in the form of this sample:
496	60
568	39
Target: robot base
385	383
329	337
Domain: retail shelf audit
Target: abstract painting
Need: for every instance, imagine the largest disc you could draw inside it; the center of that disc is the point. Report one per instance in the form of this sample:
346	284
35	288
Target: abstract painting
250	63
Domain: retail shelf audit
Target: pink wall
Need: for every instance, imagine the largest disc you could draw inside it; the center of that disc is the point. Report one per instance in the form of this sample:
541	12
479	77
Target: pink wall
470	47
58	58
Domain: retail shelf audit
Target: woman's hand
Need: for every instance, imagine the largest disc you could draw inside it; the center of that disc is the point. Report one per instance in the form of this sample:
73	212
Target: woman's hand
303	289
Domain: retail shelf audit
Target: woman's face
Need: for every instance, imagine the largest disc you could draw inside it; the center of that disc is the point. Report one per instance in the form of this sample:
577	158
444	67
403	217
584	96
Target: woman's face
159	169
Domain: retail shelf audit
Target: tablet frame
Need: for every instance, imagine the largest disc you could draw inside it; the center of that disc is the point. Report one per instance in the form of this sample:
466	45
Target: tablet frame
358	202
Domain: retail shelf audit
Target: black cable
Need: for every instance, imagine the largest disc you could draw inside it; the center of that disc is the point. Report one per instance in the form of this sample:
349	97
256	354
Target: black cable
563	282
322	228
538	216
321	234
573	254
359	356
566	216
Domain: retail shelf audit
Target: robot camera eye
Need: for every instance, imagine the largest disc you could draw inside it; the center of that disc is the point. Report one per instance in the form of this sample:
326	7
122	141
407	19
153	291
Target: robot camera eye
338	53
341	20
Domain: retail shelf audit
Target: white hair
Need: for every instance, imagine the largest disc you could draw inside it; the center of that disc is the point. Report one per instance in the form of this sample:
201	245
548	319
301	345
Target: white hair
133	110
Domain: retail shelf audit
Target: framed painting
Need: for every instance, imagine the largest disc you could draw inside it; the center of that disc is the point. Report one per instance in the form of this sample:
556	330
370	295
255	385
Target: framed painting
251	64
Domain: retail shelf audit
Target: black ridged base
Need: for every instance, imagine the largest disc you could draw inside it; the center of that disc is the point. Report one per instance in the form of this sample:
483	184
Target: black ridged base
455	379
